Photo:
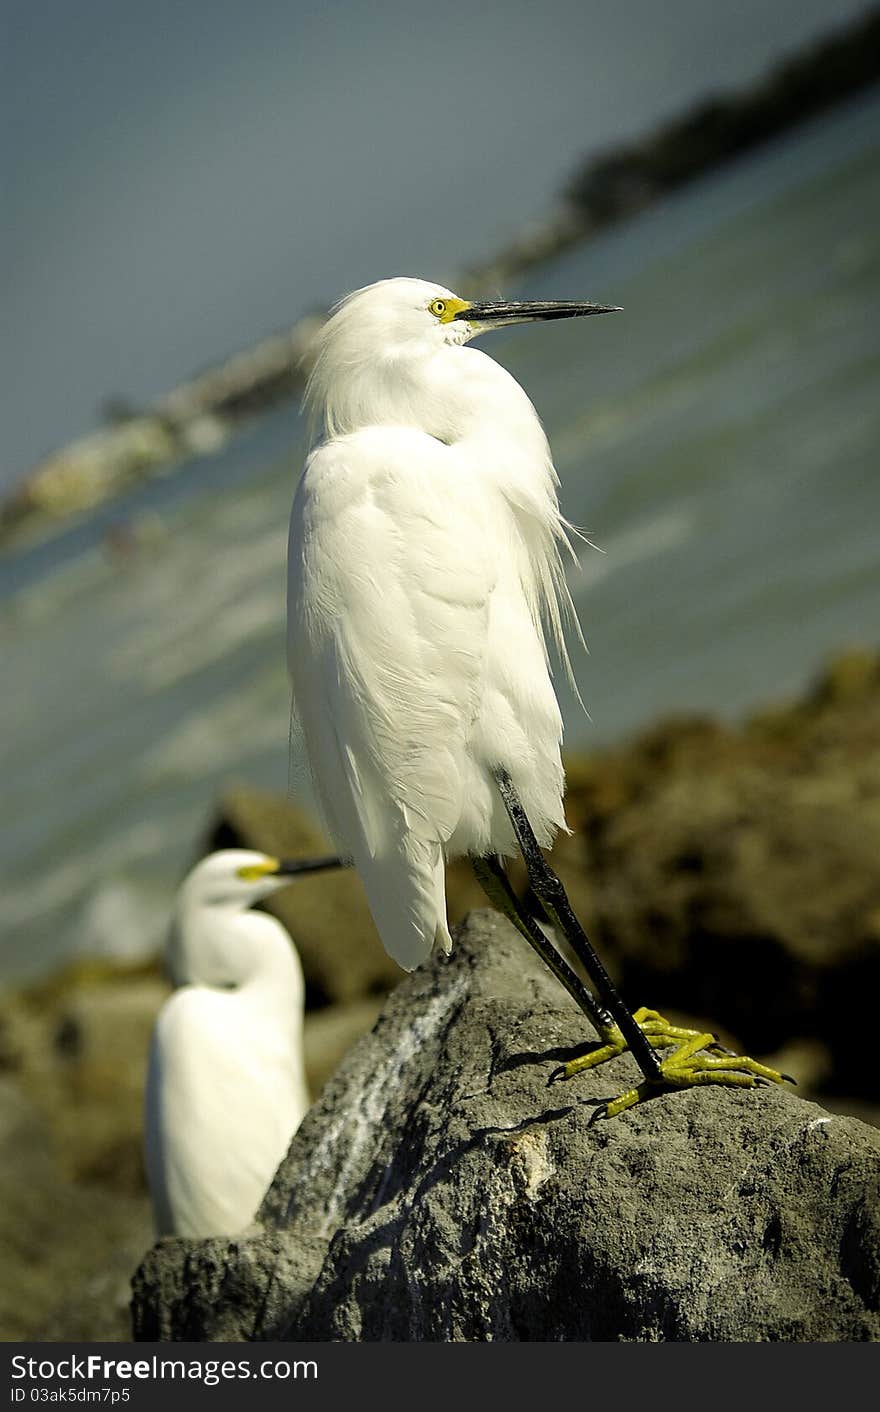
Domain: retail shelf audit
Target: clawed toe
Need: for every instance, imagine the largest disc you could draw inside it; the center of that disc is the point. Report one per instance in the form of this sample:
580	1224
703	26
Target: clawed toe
697	1058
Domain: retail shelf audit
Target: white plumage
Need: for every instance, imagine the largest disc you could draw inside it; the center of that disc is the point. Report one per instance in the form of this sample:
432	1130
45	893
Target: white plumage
226	1086
425	579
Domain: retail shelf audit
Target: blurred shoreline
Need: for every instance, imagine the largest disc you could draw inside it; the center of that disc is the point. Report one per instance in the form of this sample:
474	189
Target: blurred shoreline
203	414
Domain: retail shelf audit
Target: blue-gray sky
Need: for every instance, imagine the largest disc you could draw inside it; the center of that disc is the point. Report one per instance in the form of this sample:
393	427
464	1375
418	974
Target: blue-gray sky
184	176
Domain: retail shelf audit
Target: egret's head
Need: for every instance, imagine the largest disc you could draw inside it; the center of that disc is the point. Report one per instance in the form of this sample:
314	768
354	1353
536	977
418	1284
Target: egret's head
397	312
378	334
391	317
235	877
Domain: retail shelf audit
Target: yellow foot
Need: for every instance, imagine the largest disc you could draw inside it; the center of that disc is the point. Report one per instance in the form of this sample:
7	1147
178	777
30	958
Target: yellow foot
660	1033
697	1058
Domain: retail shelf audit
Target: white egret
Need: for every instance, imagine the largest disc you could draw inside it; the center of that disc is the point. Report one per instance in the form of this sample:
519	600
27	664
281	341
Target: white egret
226	1086
426	582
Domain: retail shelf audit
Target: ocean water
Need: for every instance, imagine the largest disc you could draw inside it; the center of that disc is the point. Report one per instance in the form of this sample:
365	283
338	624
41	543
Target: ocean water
718	441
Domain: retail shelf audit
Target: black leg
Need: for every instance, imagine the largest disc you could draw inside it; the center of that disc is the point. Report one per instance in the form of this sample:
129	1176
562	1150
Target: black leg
496	885
552	896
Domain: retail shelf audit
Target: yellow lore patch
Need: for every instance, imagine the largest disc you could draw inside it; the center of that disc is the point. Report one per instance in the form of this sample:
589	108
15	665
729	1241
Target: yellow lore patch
447	309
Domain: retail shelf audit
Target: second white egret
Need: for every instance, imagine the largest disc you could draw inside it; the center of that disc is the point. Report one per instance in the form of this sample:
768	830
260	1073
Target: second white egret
226	1087
426	586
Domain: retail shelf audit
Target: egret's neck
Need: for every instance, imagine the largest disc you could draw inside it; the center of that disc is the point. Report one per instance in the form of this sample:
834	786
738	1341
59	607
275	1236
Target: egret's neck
450	392
226	947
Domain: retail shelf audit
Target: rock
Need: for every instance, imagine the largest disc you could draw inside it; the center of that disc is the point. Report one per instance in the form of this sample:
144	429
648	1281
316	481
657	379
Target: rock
441	1191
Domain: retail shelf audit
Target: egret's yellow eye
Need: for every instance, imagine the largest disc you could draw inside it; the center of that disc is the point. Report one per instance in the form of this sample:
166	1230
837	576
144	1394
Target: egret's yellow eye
438	307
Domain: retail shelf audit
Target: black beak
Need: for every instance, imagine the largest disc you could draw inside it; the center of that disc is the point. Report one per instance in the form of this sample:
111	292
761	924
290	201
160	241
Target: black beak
526	311
292	867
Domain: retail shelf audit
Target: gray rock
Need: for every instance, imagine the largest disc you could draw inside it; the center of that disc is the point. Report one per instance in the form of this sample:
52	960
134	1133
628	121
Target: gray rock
441	1191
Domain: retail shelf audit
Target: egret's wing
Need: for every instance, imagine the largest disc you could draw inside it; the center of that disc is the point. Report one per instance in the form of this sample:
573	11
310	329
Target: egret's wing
390	577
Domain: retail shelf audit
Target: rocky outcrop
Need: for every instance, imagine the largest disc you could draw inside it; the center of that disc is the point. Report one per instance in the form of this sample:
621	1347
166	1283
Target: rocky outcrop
442	1191
733	873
